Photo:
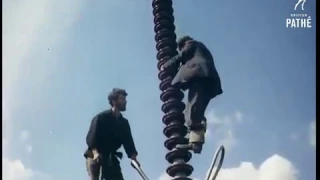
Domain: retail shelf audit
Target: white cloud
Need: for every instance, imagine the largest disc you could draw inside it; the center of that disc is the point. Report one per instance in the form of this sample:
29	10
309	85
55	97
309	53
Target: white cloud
213	119
312	133
29	148
238	116
294	136
226	120
4	143
228	141
4	147
27	25
273	168
165	176
222	127
24	135
15	170
25	138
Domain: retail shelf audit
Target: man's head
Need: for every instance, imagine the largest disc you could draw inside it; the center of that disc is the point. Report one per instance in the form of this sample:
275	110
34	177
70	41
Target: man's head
182	41
117	98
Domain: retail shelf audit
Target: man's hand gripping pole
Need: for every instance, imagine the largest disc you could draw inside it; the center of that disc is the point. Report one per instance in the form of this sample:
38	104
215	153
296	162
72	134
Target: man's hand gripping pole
137	167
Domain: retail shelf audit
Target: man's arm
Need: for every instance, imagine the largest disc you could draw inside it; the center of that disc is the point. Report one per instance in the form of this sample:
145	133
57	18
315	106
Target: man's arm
92	136
128	142
185	53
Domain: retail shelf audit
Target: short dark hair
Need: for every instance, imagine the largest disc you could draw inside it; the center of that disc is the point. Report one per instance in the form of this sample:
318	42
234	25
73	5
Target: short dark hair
182	41
115	93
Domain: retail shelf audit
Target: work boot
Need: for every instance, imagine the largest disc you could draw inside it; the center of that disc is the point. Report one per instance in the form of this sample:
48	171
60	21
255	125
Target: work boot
195	147
196	140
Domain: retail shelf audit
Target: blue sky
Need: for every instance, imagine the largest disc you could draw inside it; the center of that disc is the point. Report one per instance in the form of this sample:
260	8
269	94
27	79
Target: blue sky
62	58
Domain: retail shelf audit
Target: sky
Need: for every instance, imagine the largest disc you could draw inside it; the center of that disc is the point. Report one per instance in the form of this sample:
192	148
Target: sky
61	59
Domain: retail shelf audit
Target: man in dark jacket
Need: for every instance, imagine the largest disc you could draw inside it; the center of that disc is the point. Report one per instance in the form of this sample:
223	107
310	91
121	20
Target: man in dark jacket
109	130
197	73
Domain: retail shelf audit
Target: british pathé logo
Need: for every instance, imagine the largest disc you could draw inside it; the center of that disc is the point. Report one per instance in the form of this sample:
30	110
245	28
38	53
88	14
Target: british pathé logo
300	2
299	19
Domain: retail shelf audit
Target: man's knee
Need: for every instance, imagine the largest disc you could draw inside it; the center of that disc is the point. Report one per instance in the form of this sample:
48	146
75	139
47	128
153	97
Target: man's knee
198	126
197	111
194	116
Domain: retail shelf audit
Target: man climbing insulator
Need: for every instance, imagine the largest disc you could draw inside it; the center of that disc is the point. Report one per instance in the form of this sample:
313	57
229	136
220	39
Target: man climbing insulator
198	74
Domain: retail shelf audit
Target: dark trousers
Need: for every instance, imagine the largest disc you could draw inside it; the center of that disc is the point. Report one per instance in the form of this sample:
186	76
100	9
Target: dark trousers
198	99
109	172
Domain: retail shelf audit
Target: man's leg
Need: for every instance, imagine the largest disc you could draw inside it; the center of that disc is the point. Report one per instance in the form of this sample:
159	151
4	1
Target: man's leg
116	174
93	169
198	100
112	172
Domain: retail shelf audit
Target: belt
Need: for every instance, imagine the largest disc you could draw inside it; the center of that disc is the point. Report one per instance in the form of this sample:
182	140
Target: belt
111	156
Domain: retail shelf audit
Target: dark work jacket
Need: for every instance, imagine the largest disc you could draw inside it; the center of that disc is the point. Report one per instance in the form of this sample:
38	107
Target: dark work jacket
197	64
108	133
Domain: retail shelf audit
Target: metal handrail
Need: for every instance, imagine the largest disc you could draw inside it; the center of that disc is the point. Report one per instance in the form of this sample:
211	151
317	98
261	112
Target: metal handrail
211	174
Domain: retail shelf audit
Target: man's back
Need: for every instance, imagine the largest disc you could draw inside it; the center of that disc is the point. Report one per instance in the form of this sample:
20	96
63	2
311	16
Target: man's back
200	67
204	58
202	52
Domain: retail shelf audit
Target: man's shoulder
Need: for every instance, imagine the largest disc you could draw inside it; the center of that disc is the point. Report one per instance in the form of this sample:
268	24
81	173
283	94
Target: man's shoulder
124	119
201	44
103	113
198	45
